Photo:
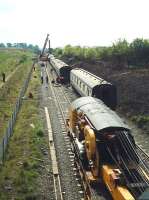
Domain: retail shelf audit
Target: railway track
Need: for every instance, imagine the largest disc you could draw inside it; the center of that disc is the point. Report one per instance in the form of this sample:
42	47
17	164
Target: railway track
65	180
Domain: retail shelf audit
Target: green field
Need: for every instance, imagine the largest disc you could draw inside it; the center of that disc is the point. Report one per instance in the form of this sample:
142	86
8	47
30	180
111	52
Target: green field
20	62
10	59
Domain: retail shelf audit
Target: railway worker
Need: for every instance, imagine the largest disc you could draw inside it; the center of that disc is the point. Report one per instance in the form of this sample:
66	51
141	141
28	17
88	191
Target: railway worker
47	79
58	79
61	79
3	76
46	65
34	66
41	75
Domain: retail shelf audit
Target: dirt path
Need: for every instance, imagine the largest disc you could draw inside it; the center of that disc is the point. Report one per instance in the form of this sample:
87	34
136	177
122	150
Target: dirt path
9	76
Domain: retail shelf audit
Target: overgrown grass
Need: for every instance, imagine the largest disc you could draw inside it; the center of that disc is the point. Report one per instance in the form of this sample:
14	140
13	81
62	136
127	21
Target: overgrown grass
141	121
10	59
19	175
11	89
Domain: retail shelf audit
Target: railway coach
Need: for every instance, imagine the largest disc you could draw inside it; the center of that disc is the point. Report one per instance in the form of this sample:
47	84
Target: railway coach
62	70
87	84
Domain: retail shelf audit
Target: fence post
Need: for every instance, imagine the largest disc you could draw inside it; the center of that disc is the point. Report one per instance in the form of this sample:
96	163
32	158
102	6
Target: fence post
3	149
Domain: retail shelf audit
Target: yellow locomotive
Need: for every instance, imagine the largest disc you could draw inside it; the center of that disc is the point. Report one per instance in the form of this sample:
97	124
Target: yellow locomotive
104	146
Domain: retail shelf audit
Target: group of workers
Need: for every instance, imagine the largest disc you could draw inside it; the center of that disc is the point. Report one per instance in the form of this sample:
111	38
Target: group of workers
46	78
58	79
42	77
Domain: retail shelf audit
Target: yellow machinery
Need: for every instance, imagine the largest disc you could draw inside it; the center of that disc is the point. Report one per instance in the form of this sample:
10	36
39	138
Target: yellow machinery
106	149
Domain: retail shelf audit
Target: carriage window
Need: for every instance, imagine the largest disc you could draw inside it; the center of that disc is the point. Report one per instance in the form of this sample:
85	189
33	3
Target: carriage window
90	92
87	91
83	86
80	83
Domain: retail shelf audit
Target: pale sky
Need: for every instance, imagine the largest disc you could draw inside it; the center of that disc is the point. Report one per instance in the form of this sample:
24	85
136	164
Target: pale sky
75	22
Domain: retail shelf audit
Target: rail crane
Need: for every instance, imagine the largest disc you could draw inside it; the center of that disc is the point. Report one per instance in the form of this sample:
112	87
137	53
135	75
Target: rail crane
44	56
105	150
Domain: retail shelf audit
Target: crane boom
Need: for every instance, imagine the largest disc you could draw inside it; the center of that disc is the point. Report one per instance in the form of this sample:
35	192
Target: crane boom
44	46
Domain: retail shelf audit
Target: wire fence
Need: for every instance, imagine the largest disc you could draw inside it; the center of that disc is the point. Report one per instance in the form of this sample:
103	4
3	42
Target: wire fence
9	130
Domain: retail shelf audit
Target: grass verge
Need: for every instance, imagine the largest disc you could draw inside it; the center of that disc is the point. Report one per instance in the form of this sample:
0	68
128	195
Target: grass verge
20	173
10	92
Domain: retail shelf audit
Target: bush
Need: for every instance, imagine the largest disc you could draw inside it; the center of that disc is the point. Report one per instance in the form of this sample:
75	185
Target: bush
141	121
40	133
23	59
134	54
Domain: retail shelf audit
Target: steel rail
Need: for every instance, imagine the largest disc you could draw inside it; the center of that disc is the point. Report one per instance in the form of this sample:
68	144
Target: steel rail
55	172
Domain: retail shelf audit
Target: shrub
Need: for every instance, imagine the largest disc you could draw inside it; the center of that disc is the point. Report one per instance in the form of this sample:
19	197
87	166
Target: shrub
40	133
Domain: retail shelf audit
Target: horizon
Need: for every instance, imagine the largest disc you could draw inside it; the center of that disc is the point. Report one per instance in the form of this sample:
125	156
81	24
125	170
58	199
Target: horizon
120	39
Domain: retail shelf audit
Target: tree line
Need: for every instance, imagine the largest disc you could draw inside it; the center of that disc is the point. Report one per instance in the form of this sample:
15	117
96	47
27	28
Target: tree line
135	53
21	45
